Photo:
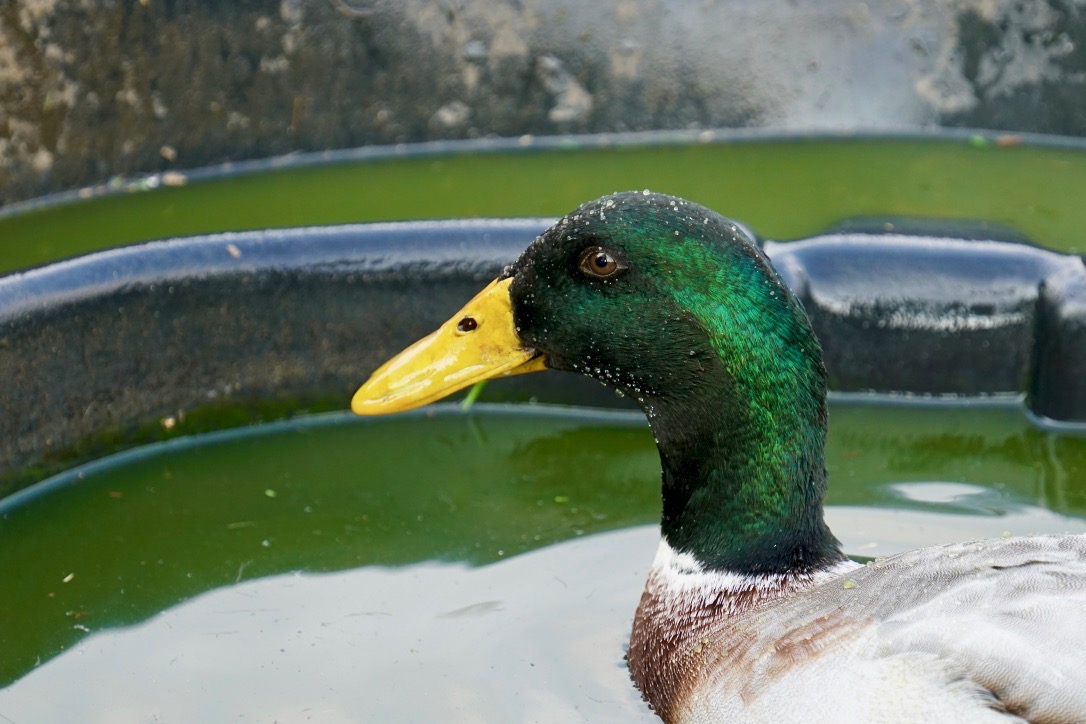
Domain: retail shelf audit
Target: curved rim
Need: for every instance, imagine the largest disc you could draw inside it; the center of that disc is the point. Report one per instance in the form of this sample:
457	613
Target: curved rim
119	186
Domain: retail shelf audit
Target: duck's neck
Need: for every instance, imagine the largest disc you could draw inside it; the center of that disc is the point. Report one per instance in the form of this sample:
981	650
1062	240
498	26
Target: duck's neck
743	460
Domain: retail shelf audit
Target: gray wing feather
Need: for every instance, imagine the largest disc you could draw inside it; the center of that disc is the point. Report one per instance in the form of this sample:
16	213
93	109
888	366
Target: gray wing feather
1009	615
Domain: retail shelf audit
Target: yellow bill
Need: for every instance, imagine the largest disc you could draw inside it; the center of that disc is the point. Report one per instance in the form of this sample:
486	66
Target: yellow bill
479	343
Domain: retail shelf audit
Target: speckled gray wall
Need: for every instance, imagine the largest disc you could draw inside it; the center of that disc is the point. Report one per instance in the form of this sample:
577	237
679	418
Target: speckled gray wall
90	89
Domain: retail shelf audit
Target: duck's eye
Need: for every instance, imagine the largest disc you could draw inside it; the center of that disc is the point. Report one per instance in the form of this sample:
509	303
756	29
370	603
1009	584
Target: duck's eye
467	324
598	263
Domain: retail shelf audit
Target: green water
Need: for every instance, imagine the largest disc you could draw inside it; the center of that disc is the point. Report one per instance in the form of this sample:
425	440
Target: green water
386	500
782	189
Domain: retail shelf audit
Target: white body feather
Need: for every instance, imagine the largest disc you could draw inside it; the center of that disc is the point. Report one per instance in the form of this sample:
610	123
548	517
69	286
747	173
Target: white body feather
986	631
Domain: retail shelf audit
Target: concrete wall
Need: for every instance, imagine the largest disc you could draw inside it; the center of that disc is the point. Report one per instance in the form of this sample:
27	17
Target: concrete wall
90	89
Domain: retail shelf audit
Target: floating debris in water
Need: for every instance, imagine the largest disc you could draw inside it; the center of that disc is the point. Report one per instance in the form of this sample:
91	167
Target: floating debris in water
474	609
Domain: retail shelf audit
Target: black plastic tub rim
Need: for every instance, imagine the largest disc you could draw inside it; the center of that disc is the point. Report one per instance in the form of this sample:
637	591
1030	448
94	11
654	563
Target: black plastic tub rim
242	327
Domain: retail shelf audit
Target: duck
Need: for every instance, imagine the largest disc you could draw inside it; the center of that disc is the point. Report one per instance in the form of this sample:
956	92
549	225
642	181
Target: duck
751	611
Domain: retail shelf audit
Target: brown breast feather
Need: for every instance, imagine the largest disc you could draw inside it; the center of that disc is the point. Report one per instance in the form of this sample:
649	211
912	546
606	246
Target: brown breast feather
682	640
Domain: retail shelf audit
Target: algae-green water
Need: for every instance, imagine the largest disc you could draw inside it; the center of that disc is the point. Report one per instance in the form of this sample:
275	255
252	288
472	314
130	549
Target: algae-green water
436	566
782	188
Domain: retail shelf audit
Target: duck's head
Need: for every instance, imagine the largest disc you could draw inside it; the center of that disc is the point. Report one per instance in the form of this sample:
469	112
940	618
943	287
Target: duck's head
671	304
647	293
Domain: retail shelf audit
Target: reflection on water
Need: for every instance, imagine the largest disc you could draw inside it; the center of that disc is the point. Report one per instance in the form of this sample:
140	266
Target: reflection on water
993	445
539	637
935	492
169	541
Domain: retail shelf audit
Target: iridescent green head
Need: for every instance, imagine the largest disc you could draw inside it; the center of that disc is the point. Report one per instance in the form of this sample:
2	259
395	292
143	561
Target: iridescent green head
650	293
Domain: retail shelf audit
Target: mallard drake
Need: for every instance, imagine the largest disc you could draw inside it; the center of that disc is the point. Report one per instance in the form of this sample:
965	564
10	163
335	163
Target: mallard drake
751	611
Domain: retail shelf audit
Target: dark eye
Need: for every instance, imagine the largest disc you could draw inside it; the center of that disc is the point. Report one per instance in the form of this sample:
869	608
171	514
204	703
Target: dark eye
598	263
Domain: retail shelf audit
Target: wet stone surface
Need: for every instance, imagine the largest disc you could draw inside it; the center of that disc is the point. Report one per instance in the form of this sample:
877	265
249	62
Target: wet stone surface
92	90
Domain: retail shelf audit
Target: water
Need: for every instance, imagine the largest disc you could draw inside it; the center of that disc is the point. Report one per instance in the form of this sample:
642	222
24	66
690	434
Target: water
782	189
437	566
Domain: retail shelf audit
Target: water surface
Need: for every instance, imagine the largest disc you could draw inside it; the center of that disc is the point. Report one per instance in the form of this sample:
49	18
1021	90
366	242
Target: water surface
436	566
783	189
